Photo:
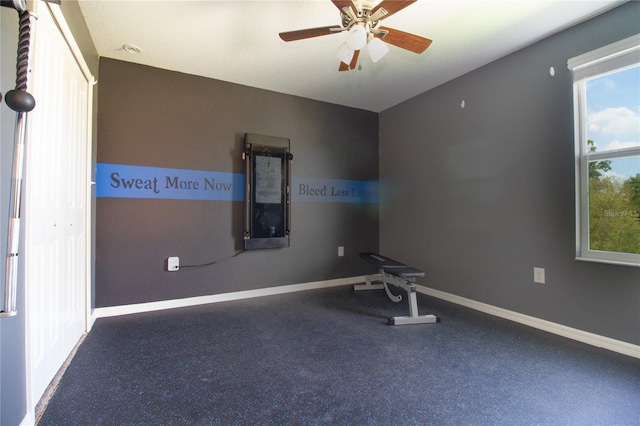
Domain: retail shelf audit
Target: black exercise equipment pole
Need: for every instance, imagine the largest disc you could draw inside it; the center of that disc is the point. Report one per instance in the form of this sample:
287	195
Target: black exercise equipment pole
21	102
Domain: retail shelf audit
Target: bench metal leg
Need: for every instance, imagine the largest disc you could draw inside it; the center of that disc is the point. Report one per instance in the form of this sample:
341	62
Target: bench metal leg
383	279
414	317
370	279
368	286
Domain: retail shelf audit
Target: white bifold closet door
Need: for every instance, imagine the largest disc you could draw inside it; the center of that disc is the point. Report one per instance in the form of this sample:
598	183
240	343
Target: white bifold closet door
56	200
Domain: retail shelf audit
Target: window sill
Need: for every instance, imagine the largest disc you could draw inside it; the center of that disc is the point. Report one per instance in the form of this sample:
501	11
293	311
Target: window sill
610	262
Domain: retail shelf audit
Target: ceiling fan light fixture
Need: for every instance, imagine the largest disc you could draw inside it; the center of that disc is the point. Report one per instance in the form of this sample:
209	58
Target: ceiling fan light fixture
377	49
357	37
344	53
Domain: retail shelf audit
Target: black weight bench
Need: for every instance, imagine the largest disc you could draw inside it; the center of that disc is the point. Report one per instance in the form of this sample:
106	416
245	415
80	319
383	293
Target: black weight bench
400	275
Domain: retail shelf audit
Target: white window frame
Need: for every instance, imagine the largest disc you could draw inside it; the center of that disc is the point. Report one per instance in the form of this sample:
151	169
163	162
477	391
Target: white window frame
605	60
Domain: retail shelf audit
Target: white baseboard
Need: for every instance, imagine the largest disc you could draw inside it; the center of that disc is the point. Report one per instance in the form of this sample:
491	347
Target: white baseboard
215	298
548	326
551	327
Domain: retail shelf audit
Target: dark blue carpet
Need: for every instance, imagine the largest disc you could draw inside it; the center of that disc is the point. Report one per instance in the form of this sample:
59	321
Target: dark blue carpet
328	357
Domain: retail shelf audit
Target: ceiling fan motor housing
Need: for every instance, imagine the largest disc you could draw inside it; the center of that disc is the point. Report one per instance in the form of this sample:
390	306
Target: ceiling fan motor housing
363	16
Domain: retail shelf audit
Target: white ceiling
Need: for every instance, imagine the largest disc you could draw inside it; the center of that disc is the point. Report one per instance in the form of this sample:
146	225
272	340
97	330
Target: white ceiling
237	41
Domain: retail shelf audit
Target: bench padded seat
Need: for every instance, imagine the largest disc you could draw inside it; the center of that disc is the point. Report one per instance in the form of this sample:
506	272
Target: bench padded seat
408	272
382	261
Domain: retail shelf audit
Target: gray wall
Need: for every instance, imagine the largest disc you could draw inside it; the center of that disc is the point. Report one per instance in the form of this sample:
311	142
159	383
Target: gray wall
159	118
13	405
481	195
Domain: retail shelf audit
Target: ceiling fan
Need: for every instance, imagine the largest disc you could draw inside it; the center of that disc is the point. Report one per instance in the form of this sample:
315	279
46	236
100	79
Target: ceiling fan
361	19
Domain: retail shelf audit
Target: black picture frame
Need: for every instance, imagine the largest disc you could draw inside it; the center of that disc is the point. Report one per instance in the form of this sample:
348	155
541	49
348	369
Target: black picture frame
267	192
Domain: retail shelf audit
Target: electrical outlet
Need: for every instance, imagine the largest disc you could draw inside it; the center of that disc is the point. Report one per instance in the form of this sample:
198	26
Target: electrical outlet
173	264
340	251
538	275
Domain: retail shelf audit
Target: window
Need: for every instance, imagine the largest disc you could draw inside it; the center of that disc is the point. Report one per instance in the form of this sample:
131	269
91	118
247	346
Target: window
607	129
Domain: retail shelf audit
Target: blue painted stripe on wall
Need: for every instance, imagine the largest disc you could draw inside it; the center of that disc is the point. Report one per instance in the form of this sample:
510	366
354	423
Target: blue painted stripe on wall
333	190
123	181
126	181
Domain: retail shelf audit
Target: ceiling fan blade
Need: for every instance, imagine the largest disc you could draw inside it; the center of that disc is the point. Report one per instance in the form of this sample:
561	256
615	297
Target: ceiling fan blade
404	40
352	64
309	33
354	61
392	6
341	4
